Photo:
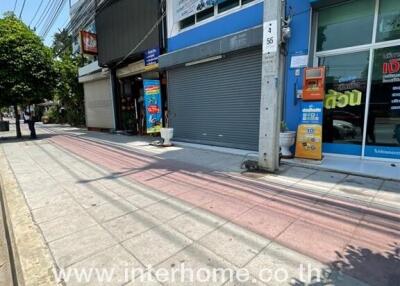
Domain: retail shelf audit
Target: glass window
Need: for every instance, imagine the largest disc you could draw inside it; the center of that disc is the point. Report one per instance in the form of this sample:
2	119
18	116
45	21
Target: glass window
389	20
227	5
345	25
205	14
384	114
187	22
344	104
244	2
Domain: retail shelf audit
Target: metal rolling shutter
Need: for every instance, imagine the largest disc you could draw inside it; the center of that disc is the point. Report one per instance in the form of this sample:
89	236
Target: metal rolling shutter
218	102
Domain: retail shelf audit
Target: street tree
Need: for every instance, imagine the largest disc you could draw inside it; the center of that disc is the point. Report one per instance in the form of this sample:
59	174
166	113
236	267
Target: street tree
26	66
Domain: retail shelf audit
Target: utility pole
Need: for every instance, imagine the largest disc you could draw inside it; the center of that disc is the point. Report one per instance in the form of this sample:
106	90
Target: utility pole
271	95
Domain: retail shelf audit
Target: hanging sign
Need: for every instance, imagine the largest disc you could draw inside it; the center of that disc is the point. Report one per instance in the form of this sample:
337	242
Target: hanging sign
153	106
88	43
151	58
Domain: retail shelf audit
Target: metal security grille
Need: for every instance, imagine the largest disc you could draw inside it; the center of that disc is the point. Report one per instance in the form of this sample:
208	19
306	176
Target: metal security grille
217	102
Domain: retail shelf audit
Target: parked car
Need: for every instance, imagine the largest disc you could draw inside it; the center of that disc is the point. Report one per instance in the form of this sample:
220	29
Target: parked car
344	129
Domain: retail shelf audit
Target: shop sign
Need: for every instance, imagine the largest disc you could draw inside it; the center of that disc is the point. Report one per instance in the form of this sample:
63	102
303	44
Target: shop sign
309	141
153	106
88	43
334	99
187	8
151	58
391	77
312	112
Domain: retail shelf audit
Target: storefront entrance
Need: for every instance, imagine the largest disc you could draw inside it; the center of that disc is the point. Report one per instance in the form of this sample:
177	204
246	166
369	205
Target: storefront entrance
359	43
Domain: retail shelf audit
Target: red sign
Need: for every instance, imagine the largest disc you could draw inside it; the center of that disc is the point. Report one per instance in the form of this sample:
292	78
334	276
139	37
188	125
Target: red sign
88	43
152	109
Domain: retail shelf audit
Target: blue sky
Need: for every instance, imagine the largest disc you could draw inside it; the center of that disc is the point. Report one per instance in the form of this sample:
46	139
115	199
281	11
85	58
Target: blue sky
28	13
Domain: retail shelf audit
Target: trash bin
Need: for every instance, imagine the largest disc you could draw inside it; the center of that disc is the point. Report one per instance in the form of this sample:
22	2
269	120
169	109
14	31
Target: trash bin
4	126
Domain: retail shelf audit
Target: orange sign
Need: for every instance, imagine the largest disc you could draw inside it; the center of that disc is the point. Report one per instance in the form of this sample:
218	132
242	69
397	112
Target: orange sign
314	84
309	141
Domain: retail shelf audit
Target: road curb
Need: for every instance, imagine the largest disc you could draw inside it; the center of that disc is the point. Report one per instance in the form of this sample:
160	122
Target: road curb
31	257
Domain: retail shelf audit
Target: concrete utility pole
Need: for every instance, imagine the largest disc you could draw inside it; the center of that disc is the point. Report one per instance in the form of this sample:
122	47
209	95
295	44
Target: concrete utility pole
271	95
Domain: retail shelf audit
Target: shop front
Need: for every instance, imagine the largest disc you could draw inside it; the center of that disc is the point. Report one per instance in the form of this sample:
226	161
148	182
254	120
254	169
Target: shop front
358	42
140	99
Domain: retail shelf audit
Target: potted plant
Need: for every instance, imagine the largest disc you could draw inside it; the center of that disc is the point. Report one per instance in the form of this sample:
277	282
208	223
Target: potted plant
286	140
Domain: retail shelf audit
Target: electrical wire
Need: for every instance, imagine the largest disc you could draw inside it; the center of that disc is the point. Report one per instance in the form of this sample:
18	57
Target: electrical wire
36	13
15	5
22	9
49	17
55	16
44	13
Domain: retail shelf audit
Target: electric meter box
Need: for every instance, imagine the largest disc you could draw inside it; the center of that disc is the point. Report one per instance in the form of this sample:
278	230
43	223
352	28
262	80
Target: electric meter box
314	84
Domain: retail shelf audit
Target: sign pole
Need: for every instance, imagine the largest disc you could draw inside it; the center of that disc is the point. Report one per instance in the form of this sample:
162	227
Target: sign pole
271	95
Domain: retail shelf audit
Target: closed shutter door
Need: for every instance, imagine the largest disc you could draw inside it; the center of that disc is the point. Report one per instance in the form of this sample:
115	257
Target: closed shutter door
98	104
217	103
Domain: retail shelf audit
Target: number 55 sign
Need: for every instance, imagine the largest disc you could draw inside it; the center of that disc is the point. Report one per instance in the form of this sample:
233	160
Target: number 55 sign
270	44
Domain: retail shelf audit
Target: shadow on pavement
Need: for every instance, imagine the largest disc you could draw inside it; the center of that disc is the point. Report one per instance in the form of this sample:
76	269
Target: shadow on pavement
373	268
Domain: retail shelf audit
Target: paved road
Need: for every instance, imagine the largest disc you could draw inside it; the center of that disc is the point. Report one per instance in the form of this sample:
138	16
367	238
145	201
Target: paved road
101	205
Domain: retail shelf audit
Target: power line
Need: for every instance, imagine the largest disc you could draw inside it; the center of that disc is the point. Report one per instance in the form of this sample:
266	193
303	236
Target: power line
55	16
44	13
49	15
22	9
15	5
37	11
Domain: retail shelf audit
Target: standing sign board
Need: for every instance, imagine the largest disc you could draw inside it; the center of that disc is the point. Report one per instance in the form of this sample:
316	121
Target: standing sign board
309	132
153	106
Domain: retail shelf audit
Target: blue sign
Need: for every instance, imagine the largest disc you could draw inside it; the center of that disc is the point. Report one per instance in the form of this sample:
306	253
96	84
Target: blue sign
311	112
151	56
153	106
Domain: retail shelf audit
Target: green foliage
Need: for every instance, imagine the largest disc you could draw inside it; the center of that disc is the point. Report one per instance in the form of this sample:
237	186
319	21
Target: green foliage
26	65
69	92
53	114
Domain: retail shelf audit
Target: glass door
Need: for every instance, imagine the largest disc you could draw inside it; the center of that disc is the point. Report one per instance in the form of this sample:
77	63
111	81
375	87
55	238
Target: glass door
344	104
383	126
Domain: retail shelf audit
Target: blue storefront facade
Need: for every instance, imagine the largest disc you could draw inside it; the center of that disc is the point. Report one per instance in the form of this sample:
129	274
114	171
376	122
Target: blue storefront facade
358	41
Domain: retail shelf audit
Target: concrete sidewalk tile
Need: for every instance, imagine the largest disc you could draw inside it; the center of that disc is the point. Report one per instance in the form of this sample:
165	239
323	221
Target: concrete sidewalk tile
290	176
358	182
88	198
115	261
65	225
292	204
156	245
175	189
227	207
391	186
44	201
198	197
52	211
144	200
111	210
279	265
363	196
197	260
167	209
196	223
144	281
251	282
77	246
264	221
131	224
234	243
337	218
314	241
324	178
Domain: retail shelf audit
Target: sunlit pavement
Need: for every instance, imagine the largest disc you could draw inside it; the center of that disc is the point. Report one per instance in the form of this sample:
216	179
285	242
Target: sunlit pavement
101	201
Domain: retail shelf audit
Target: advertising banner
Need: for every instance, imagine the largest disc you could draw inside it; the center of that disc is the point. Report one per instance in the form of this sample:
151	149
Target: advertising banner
187	8
309	132
153	106
391	79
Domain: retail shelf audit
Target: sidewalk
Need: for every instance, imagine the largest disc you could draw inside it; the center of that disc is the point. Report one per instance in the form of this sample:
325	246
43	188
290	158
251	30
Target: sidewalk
110	201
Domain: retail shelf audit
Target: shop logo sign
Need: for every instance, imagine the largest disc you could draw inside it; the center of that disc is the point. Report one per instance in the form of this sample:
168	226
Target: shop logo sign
391	71
335	99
